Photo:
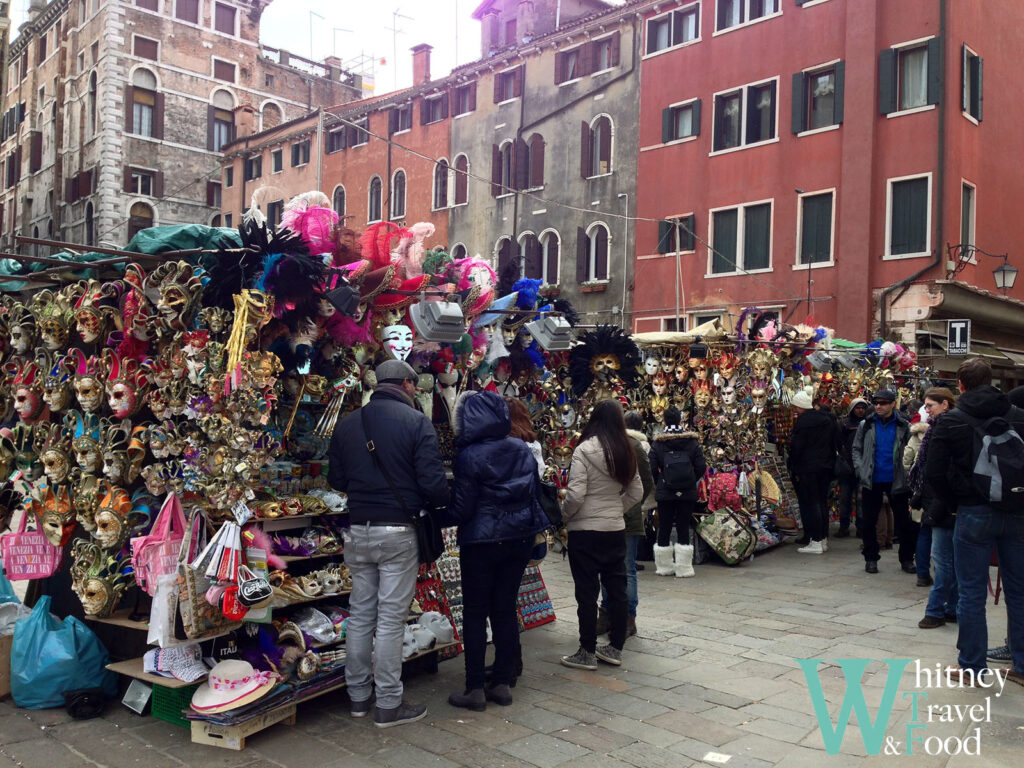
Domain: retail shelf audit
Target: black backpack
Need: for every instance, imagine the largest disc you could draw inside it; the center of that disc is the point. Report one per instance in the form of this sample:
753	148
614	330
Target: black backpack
677	472
997	459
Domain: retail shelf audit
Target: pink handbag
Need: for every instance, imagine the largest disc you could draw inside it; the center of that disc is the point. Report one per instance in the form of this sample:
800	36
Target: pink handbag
156	553
27	554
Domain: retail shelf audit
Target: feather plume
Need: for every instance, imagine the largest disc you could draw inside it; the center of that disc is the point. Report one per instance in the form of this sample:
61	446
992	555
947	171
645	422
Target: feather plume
568	311
526	292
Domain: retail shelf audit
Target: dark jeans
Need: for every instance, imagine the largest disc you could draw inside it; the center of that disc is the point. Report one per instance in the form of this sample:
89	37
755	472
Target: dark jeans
812	495
906	529
677	513
491	575
979	530
596	559
923	555
848	487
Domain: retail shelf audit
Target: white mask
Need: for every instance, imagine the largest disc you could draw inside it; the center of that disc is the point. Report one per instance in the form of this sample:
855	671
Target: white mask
398	340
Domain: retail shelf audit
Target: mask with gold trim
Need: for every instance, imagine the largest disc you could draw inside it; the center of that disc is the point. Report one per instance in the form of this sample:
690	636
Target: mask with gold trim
86	440
174	288
85	498
54	313
57	392
53	446
114	442
21	328
22	441
97	578
95	309
24	380
116	516
52	507
127	384
88	382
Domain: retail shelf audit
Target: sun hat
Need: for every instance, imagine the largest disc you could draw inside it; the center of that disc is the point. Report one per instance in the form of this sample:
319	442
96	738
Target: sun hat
801	400
183	662
232	683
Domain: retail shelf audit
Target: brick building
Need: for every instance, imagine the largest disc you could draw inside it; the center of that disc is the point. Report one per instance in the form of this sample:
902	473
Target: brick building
115	111
837	151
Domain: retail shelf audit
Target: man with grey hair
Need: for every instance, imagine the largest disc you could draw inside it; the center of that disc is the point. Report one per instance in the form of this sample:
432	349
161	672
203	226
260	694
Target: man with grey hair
381	546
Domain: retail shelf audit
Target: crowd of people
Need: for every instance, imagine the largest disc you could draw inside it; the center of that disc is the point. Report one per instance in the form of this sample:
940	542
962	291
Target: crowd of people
952	472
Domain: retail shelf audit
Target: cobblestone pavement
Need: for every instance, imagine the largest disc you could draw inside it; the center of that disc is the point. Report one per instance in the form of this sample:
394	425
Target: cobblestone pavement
710	680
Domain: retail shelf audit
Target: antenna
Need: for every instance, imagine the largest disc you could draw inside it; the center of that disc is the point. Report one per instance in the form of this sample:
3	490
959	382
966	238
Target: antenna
395	32
311	15
334	41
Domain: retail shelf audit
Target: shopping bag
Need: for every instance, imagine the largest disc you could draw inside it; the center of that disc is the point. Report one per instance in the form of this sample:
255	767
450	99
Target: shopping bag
27	554
49	657
157	552
730	534
196	617
163	612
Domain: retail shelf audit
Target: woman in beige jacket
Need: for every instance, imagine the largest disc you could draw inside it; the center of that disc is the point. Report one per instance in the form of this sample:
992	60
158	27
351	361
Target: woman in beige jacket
603	483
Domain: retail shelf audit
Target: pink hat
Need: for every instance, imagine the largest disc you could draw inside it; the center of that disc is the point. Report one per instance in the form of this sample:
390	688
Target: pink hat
232	684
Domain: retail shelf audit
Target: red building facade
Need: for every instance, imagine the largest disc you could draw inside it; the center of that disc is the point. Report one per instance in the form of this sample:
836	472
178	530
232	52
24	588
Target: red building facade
829	149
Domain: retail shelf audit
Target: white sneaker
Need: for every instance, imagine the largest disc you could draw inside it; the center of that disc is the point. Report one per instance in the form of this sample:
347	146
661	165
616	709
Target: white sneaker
824	545
814	548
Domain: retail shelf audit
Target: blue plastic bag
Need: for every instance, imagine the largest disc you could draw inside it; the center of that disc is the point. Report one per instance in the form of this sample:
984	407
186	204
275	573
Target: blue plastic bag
49	657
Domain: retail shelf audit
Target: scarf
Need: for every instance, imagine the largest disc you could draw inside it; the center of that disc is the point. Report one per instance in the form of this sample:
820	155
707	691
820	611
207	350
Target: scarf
916	477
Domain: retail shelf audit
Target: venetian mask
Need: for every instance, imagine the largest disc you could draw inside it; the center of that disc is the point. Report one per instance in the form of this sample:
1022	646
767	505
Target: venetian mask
728	395
57	392
216	319
53	444
23	337
508	335
727	363
155	478
174	287
651	365
667	365
27	404
263	369
53	313
88	382
24	380
700	370
702	397
22	441
96	578
115	517
95	308
659	384
682	372
758	398
55	513
604	366
761	362
397	339
85	497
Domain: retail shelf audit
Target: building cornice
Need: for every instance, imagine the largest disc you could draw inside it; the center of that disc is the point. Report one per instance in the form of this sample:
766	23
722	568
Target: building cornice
44	20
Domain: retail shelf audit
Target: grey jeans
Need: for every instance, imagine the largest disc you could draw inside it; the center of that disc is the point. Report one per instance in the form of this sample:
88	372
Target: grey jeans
384	561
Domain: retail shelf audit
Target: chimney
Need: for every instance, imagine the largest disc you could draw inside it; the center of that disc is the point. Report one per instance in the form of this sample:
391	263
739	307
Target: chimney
245	121
334	71
35	7
421	64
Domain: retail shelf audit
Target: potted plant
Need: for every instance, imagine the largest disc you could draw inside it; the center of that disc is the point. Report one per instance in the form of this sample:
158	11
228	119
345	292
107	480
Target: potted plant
550	291
594	286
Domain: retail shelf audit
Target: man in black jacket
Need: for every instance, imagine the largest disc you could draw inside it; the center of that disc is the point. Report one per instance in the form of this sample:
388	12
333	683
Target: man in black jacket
812	460
847	478
381	547
980	527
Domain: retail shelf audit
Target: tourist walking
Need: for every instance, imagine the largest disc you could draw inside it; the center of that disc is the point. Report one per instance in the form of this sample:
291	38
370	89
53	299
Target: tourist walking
919	423
811	464
846	477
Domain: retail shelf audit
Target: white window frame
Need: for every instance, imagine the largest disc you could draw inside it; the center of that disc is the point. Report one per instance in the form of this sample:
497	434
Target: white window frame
510	99
509	187
135	170
680	218
673	46
591	233
405	195
743	89
974	211
715	313
430	102
663	321
547	233
213	18
213	70
159	48
797	265
449	191
399	111
899	47
520	243
746	14
362	127
741	220
198	24
578	50
611	146
369	199
963	76
456	247
455	100
605	39
279	153
496	253
335	192
693	136
888	255
817	69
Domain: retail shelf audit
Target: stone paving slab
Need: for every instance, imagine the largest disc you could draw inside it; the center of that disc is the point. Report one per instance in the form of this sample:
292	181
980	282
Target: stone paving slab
711	675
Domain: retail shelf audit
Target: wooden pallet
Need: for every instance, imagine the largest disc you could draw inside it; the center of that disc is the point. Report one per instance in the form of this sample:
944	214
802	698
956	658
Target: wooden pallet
234	736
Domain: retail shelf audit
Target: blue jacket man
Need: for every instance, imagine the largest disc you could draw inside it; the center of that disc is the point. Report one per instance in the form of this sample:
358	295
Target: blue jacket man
877	462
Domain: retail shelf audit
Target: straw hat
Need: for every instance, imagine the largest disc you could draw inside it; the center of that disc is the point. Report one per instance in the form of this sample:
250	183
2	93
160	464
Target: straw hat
232	684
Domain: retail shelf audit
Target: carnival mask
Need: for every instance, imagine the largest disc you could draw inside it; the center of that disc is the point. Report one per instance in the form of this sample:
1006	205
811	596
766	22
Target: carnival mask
263	368
682	372
728	395
57	393
216	319
758	397
53	445
53	317
55	513
700	370
658	384
22	442
651	365
702	396
85	498
96	578
397	339
667	365
88	383
22	338
95	308
115	516
174	287
27	404
603	366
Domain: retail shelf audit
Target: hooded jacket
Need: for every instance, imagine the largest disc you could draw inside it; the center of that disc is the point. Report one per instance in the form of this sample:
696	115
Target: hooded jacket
407	447
846	433
596	501
633	516
813	446
494	494
864	452
917	430
949	463
676	441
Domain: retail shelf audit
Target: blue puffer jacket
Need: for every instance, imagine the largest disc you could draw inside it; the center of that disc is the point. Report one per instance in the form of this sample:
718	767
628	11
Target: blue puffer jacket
493	496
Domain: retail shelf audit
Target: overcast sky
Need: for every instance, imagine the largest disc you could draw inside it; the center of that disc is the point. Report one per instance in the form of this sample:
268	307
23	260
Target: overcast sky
354	28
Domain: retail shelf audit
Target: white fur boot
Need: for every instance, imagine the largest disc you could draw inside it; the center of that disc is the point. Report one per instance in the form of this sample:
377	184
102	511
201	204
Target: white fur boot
684	561
663	561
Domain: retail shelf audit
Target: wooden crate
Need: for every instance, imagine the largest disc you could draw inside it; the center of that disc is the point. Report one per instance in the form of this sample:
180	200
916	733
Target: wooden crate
5	665
234	736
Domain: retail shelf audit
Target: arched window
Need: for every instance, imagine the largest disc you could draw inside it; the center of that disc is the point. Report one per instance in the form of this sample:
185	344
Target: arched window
220	127
92	103
215	221
535	173
503	252
549	257
592	254
398	195
90	226
441	185
461	180
373	208
458	251
146	117
140	217
505	176
530	256
271	115
596	152
339	201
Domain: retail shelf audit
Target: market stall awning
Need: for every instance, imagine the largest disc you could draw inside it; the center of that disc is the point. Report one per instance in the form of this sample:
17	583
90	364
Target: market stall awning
709	331
978	348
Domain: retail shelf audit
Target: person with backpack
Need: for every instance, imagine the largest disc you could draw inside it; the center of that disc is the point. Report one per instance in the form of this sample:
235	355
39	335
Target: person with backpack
603	484
677	464
811	463
976	456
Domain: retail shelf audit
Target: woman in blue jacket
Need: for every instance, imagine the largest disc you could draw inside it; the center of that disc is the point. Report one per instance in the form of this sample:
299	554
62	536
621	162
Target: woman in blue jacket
494	506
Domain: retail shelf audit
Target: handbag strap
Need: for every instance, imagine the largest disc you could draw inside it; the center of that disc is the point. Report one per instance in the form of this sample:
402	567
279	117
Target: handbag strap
380	466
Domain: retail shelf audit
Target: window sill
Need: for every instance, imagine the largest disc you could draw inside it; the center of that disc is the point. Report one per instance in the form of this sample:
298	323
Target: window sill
746	24
812	3
971	118
744	273
300	165
912	111
357	146
372	221
508	101
674	142
504	195
730	150
274	173
459	205
568	82
814	265
599	175
442	208
462	114
399	133
670	48
600	287
901	256
815	131
604	71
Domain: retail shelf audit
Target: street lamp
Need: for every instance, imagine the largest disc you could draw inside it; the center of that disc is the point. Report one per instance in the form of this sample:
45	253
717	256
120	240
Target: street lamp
1005	276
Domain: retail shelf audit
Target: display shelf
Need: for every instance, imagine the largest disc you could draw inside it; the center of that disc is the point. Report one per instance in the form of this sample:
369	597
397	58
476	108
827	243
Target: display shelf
120	619
134	668
285	521
342	593
300	558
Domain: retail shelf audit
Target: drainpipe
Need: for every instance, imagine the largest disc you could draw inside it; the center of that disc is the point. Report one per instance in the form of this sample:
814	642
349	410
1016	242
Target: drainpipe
625	256
320	149
940	180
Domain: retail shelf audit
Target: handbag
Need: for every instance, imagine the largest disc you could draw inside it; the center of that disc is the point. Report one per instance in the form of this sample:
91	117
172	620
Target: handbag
157	553
730	534
547	497
28	554
196	618
429	539
253	591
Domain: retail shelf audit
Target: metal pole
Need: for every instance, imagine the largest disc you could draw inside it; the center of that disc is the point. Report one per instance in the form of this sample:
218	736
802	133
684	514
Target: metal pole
677	270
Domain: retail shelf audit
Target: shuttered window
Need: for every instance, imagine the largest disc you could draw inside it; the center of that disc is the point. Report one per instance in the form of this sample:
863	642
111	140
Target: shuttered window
187	10
671	29
224	70
741	239
816	228
461	180
910	77
677	234
374	203
908	216
549	243
145	48
224	18
971	83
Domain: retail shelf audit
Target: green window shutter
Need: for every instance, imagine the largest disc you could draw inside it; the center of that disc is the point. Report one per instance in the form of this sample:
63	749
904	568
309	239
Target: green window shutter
837	96
934	70
667	124
815	238
757	233
909	218
978	87
723	257
664	236
887	81
695	106
799	102
772	127
688	234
